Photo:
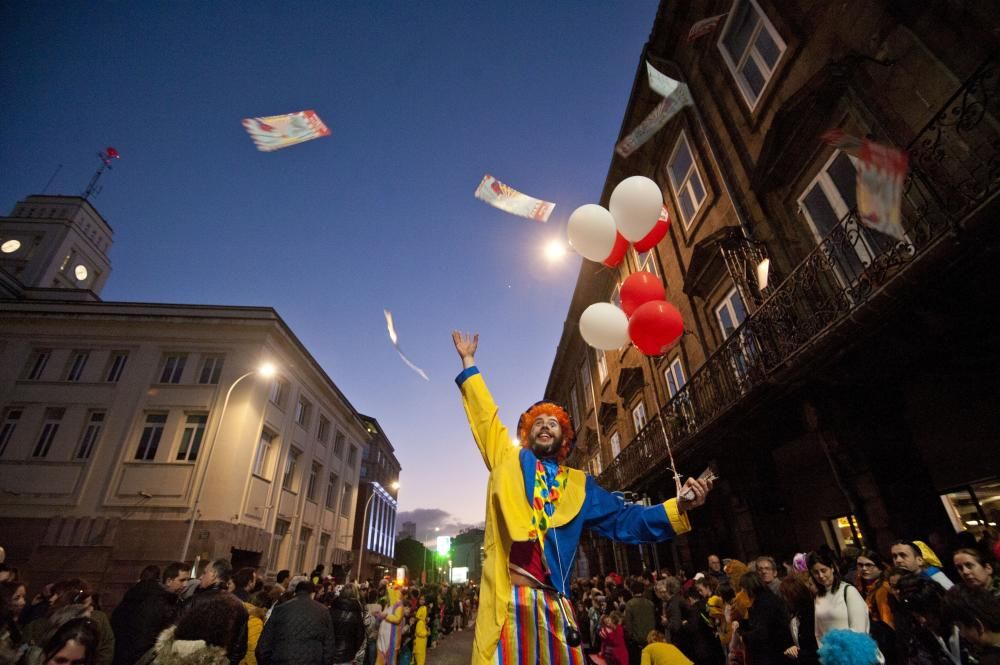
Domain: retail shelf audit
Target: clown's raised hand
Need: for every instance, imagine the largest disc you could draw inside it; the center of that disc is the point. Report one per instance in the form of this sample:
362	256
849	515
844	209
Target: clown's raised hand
466	345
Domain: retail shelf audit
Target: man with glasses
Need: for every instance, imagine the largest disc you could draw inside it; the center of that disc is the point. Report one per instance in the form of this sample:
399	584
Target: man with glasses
147	608
767	569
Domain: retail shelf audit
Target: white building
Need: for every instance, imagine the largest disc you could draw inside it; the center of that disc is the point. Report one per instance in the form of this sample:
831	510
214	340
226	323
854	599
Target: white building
114	421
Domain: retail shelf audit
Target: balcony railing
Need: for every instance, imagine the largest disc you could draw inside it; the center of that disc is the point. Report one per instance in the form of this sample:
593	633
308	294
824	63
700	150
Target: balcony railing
954	171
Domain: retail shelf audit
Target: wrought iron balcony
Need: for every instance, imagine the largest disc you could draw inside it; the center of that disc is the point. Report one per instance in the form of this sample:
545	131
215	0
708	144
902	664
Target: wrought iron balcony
954	172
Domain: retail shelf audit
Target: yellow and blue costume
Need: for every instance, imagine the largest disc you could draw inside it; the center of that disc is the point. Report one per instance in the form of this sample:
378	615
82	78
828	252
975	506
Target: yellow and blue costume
582	503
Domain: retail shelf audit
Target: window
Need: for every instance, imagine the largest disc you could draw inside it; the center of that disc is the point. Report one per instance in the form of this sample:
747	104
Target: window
685	180
646	261
173	368
281	528
305	535
331	492
751	48
616	444
288	479
352	456
338	445
731	313
10	421
616	295
324	545
36	364
974	508
587	385
194	431
262	461
279	389
602	366
323	432
311	486
639	416
345	501
675	377
149	441
211	368
574	405
77	363
116	366
53	416
595	464
91	432
302	412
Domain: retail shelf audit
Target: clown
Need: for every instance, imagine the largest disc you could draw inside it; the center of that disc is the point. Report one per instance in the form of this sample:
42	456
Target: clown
387	646
535	513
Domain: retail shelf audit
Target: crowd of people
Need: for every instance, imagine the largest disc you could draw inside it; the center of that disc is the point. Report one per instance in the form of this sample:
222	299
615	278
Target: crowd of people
817	607
227	617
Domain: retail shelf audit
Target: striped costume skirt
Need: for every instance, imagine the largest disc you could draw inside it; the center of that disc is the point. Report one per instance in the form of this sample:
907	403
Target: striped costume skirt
535	630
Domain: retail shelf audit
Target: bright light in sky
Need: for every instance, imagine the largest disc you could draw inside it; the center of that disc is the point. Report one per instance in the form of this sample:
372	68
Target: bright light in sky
555	250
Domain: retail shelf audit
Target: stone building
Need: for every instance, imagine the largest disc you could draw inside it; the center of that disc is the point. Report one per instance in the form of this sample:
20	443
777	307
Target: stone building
851	397
378	493
119	421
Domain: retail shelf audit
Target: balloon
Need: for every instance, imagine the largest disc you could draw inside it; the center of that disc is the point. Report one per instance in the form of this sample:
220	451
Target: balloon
591	231
651	239
617	252
635	204
655	327
640	288
604	326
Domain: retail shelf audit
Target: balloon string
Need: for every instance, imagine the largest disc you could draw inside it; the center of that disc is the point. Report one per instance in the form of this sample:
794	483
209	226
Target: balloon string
670	453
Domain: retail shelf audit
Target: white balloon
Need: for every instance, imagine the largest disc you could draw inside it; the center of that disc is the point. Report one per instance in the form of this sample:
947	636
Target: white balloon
604	326
591	231
635	204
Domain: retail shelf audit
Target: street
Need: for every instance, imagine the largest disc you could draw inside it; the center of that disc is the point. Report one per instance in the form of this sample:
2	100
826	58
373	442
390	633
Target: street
455	649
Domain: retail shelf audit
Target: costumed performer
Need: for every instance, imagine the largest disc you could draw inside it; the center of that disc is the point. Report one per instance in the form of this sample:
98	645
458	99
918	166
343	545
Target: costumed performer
387	647
535	513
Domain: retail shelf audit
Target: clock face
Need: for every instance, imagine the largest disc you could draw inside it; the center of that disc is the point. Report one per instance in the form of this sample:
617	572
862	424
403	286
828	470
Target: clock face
10	246
81	272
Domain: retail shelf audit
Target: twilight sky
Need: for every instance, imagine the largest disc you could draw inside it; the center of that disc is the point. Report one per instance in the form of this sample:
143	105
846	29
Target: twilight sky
422	100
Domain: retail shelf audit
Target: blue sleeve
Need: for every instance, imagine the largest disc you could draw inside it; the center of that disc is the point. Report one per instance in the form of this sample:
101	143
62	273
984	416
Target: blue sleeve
609	516
465	374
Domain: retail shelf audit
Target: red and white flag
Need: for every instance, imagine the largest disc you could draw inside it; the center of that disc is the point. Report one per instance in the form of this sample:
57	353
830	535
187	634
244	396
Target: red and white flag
675	97
880	188
844	142
704	27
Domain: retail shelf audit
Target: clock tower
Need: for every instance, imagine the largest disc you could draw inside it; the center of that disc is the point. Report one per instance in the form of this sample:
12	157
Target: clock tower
56	242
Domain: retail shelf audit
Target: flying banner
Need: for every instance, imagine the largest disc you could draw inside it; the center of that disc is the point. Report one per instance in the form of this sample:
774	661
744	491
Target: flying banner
704	27
844	142
510	200
880	188
275	132
394	338
675	97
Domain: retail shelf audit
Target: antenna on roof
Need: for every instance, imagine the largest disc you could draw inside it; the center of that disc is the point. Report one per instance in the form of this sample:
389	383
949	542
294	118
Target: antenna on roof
105	156
54	174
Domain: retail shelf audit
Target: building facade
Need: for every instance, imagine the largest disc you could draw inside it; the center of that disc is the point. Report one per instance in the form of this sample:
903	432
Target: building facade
374	542
122	421
848	397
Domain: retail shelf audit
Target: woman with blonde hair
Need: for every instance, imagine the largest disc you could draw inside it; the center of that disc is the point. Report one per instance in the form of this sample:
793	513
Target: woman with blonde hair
660	652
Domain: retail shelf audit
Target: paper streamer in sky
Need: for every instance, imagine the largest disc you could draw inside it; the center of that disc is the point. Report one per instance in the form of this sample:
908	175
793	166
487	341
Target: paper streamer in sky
395	342
275	132
704	27
675	97
510	200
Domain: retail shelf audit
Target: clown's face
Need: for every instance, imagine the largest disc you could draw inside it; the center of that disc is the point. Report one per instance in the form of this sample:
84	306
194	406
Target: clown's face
546	436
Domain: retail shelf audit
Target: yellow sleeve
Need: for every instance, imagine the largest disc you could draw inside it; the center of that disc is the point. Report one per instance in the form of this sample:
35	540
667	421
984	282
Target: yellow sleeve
645	657
484	418
396	616
678	520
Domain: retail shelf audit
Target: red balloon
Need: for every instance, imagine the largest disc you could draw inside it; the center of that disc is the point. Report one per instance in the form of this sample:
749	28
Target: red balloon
655	327
617	252
658	232
639	288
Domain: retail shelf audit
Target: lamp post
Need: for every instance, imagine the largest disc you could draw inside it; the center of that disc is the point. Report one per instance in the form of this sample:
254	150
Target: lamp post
364	522
266	370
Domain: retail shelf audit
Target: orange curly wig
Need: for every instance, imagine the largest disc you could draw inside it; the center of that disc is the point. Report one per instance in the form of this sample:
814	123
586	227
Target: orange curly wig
548	409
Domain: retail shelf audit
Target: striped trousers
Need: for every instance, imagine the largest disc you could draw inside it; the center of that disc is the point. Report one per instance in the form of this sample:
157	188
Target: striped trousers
535	630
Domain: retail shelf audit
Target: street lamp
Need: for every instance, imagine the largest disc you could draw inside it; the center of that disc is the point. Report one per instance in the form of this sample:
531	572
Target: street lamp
267	370
364	520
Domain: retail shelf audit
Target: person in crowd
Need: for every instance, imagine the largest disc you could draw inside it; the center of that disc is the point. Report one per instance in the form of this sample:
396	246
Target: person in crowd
838	604
347	618
872	582
766	630
207	628
420	632
176	577
715	568
907	555
976	613
799	603
244	581
976	569
316	576
7	573
924	634
256	609
387	649
70	599
12	602
613	646
640	618
720	609
281	581
145	610
671	609
372	613
766	567
299	632
74	642
660	652
735	569
700	629
406	630
537	526
214	580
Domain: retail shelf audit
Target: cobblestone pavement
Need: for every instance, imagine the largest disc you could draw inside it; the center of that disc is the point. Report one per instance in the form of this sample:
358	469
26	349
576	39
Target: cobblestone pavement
455	649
